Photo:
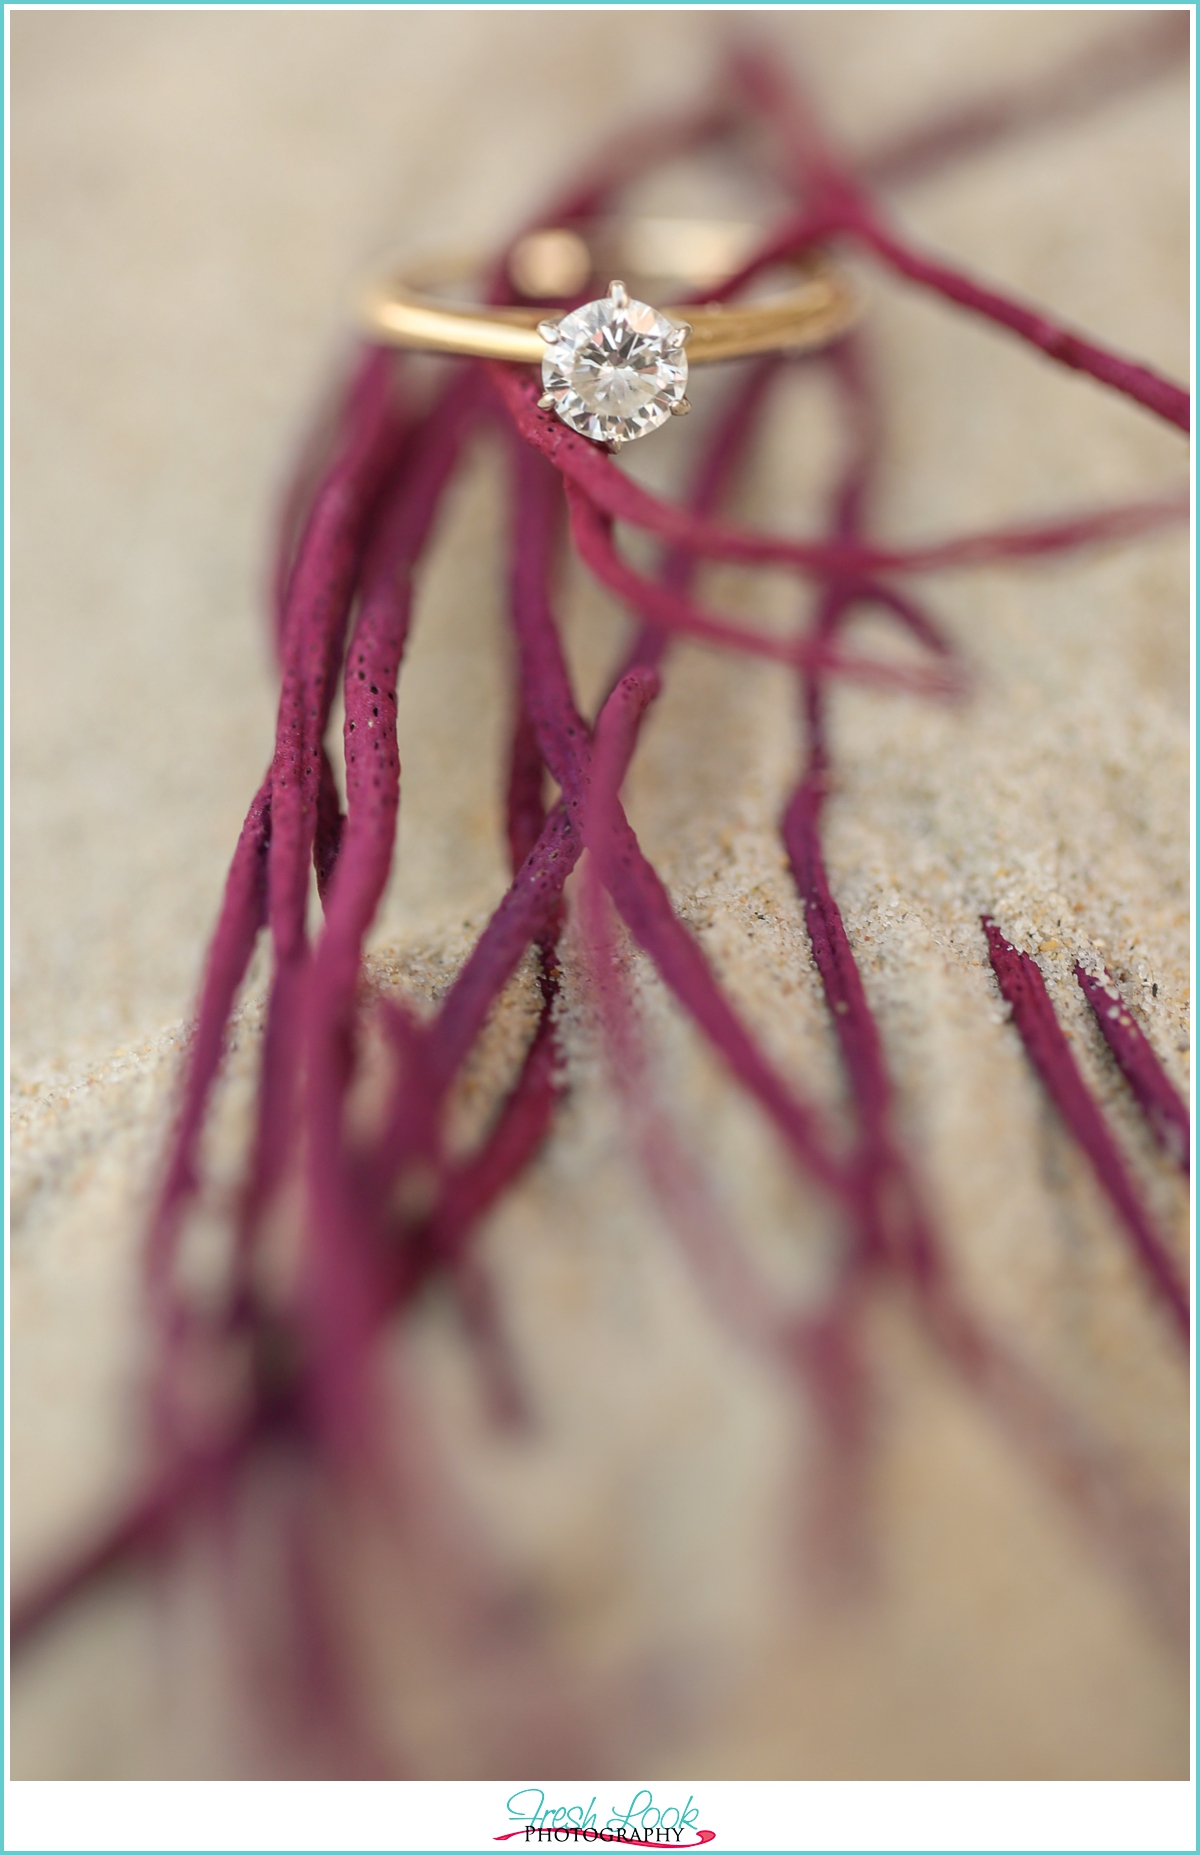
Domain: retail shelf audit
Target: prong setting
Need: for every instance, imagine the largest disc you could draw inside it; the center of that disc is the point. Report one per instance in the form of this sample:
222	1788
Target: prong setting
548	330
679	334
681	407
616	370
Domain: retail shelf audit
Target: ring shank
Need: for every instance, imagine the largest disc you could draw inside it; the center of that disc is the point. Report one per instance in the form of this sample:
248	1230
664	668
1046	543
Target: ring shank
820	306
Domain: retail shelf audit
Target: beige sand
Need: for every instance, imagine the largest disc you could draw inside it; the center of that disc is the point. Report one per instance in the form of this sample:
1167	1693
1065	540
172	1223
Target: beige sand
193	198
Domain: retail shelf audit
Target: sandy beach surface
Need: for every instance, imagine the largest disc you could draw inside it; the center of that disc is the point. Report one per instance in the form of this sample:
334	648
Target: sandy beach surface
194	199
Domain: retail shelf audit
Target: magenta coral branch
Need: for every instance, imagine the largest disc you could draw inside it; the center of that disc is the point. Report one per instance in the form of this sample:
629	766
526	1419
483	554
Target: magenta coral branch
619	497
372	670
558	726
522	916
1022	986
635	887
524	807
646	908
732	1286
857	1033
320	568
319	593
1155	1093
895	1232
546	721
519	1131
633	883
825	185
892	1227
466	1191
329	458
320	588
343	1303
243	913
528	908
659	604
1090	528
141	1529
1131	378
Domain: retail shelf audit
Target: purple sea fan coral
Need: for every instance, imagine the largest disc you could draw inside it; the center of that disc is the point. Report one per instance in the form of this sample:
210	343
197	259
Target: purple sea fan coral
283	1408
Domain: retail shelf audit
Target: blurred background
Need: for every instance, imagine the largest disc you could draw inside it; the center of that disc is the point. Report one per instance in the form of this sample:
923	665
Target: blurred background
195	199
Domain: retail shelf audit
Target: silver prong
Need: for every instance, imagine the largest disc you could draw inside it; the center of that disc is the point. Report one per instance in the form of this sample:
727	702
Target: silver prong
679	334
546	401
613	445
680	407
548	331
617	293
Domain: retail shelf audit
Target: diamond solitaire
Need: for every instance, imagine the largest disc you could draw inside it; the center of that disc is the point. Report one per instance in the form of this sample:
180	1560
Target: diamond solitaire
615	369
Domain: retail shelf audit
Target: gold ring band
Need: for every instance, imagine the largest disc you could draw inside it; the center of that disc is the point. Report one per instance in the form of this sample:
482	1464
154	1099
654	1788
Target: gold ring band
820	306
616	368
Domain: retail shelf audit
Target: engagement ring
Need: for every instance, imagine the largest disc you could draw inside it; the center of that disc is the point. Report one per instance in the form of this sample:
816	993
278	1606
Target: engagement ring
616	368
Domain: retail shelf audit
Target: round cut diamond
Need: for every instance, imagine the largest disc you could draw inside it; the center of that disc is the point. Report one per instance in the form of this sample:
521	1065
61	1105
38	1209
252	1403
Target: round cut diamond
616	369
